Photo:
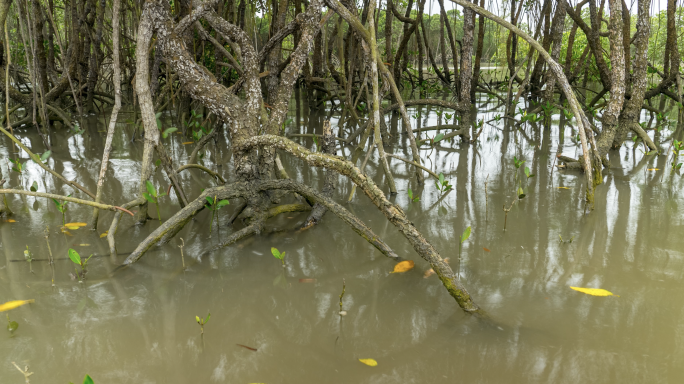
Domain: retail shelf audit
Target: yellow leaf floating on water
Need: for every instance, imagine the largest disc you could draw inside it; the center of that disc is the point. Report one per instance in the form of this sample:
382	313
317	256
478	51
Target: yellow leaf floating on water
188	142
562	187
594	291
104	234
74	226
369	362
14	304
654	169
404	266
10	221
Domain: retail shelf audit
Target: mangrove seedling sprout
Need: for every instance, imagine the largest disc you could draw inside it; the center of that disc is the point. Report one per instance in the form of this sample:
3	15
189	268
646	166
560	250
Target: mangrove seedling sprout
62	207
412	198
442	184
152	195
76	258
202	321
11	325
214	204
276	253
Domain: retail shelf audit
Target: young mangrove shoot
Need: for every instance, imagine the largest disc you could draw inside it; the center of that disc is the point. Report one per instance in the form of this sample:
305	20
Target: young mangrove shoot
202	321
276	253
62	207
152	195
76	258
214	204
412	198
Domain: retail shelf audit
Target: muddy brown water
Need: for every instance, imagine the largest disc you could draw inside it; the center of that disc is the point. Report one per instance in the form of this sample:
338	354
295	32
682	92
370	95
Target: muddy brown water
138	324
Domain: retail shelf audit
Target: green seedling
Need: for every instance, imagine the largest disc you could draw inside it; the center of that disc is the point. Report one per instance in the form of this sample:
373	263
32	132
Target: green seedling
214	204
202	321
44	157
568	114
77	129
565	241
87	380
165	132
517	162
443	184
11	325
676	147
276	253
527	173
152	195
62	207
198	130
412	198
76	258
18	165
29	258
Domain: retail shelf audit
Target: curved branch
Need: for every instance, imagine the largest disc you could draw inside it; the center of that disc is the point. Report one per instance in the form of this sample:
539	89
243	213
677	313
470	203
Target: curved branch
205	169
36	159
66	198
393	213
582	120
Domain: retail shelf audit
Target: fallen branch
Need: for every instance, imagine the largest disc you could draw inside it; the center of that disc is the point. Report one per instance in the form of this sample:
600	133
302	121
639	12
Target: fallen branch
66	198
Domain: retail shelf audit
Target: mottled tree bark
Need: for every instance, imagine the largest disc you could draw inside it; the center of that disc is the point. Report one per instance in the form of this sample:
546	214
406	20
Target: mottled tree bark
557	27
632	107
478	53
617	89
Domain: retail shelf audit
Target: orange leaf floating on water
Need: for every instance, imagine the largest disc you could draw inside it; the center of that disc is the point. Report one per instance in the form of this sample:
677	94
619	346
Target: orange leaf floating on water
404	266
10	221
14	304
654	169
486	250
594	291
307	280
188	142
562	187
369	362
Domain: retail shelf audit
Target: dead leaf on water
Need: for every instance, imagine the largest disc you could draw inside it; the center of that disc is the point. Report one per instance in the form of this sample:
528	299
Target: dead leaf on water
654	169
594	291
10	221
14	304
486	250
64	231
84	245
563	187
104	234
307	280
188	142
369	362
75	224
404	266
